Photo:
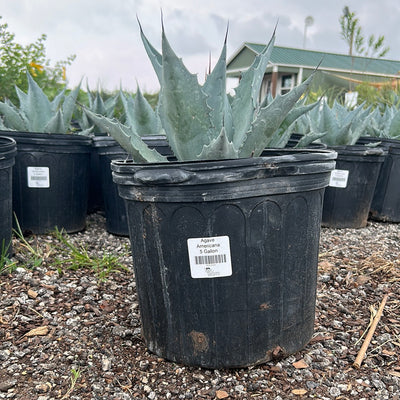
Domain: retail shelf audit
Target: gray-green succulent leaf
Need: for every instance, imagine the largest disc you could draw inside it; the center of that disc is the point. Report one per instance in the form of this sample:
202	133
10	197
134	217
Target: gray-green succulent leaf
183	108
269	119
127	138
140	115
220	147
309	138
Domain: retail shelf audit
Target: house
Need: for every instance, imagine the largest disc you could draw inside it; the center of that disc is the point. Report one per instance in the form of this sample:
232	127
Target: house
289	66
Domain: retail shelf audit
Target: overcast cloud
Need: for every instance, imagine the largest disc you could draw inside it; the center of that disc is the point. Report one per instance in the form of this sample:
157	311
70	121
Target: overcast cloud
104	34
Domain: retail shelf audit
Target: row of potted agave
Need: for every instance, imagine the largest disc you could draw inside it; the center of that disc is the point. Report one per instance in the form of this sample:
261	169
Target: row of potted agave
365	183
224	223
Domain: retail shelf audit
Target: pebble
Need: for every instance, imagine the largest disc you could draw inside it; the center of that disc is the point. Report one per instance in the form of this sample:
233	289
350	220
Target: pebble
7	384
105	364
4	355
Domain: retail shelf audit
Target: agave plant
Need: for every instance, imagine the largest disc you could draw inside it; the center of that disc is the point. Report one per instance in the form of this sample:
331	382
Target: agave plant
288	126
140	116
37	113
99	106
336	125
202	122
386	124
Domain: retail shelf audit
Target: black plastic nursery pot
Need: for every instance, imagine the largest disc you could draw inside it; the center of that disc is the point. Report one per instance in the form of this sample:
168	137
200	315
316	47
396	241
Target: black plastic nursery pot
50	181
108	150
8	150
225	254
349	195
385	204
95	195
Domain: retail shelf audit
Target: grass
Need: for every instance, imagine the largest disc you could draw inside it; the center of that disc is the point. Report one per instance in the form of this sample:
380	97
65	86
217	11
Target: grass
33	251
6	265
74	257
75	375
35	254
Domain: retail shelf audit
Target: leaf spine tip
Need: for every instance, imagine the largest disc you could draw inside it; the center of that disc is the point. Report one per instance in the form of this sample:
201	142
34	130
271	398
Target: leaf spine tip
226	33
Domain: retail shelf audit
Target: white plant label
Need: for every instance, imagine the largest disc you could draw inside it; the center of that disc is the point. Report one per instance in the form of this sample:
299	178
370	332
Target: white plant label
210	257
38	177
339	178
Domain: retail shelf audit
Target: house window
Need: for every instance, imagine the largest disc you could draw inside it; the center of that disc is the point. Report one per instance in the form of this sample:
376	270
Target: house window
287	83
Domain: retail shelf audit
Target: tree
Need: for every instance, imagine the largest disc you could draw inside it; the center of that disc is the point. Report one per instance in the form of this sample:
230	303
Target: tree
16	60
352	33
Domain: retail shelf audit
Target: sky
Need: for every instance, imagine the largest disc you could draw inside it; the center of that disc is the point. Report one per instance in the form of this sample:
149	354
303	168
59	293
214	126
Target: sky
104	34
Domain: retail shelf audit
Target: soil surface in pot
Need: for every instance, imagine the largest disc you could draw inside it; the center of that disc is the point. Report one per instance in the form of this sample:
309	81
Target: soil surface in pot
73	332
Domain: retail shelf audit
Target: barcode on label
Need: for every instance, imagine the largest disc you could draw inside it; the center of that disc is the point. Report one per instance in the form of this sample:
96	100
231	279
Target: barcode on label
340	179
214	259
209	257
38	177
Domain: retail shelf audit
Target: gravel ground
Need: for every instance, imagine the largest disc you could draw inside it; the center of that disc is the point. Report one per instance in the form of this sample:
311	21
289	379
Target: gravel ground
70	334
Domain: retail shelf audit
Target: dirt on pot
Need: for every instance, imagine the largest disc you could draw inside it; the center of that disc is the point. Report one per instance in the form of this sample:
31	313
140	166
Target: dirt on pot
73	332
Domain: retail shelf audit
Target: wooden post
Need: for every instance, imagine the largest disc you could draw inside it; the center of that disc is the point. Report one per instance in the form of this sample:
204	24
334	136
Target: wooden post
274	80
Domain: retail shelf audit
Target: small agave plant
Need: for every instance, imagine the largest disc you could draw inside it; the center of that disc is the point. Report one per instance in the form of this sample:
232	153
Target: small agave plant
139	115
99	106
336	126
385	125
202	122
37	113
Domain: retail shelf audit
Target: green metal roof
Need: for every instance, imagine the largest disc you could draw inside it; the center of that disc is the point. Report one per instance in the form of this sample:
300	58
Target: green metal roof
308	58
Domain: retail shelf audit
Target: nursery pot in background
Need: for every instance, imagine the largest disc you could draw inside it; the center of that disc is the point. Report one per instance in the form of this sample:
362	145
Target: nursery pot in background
50	181
225	253
349	195
107	150
95	195
8	151
385	204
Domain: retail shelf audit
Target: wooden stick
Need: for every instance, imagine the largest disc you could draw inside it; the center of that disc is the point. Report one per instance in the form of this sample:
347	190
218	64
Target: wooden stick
367	340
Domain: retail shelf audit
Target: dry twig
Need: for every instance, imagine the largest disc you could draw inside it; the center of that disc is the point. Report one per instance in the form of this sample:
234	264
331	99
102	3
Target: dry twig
363	350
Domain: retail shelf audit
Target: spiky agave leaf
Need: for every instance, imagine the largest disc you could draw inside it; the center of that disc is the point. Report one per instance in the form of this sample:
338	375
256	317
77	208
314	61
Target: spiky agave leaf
394	126
245	100
21	97
97	104
37	107
12	119
309	138
55	103
268	120
2	126
217	100
127	138
140	115
56	124
69	105
183	108
154	56
220	147
109	105
281	136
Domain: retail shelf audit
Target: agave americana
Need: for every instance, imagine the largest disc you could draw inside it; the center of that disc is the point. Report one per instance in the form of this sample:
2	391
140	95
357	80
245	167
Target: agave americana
203	122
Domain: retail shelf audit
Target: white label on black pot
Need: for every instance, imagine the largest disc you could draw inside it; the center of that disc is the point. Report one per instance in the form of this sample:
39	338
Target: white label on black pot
38	177
339	178
210	257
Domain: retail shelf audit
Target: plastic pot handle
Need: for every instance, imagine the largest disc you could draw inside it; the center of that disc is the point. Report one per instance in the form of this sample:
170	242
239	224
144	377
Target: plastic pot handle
162	177
374	152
